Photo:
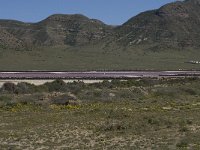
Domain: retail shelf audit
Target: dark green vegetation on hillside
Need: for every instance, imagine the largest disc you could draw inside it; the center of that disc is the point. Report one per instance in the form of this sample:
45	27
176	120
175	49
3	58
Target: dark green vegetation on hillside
159	39
132	114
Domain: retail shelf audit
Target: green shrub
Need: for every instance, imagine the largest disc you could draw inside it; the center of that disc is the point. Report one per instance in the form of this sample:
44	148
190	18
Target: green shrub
62	100
189	91
5	100
113	126
75	87
183	129
167	91
182	144
9	87
56	86
41	89
25	88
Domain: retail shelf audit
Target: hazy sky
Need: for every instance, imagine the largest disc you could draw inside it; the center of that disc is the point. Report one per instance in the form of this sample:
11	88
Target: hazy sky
109	11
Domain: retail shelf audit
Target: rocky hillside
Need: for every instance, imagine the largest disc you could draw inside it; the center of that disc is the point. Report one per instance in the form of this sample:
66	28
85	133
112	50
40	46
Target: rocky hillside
173	25
55	30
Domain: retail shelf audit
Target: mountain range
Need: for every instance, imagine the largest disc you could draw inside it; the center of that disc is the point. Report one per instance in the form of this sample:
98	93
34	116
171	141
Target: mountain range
173	26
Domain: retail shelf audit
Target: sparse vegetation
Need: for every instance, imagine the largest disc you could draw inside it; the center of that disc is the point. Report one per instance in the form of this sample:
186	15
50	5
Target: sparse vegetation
132	114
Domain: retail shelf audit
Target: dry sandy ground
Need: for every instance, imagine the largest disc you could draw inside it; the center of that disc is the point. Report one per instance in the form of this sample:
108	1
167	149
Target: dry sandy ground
40	82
